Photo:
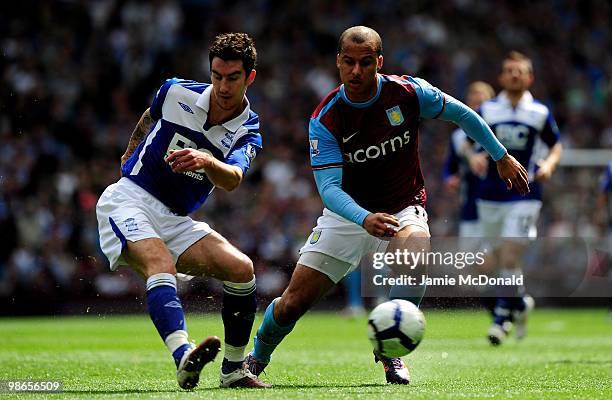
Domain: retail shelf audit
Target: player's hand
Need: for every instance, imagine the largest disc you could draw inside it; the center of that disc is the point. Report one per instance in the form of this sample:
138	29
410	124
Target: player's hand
452	183
188	160
381	224
544	171
479	162
513	173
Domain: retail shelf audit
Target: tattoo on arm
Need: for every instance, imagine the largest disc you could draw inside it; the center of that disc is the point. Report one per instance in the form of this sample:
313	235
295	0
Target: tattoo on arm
141	130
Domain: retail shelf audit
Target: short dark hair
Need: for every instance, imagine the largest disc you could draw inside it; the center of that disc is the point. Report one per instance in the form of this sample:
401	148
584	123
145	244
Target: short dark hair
234	46
361	34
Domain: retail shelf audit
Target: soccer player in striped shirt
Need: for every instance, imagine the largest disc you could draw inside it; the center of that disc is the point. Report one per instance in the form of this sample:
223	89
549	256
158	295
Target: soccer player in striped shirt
527	128
193	138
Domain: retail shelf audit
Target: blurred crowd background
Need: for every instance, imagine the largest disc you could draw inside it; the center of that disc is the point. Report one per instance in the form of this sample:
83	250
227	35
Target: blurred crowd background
75	76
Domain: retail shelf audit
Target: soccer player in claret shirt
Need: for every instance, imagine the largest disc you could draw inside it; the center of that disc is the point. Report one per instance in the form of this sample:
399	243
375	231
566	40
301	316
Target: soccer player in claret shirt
364	154
193	138
528	130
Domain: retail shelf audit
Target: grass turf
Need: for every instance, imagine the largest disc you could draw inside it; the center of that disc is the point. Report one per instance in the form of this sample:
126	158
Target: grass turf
567	355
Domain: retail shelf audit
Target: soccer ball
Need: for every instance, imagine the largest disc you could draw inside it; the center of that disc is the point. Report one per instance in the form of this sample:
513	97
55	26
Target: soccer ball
396	328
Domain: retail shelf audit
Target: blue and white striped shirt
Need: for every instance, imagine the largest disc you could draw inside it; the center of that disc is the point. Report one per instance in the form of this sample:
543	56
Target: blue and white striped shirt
181	109
525	130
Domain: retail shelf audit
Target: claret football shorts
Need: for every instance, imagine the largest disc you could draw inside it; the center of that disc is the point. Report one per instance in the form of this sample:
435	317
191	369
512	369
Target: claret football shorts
127	212
346	242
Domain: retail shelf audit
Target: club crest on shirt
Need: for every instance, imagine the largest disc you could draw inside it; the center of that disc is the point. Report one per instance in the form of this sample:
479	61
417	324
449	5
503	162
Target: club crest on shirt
228	139
395	115
316	235
131	225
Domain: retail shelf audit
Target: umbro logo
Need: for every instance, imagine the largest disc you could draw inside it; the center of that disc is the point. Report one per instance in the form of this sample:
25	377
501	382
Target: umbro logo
346	139
185	107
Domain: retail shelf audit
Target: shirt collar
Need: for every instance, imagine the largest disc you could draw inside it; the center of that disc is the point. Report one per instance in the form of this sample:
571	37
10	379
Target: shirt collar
232	125
366	103
526	98
204	99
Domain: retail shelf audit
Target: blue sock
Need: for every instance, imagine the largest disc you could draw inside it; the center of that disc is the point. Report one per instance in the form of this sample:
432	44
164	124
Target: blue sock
509	298
353	285
501	312
413	294
238	313
167	314
269	335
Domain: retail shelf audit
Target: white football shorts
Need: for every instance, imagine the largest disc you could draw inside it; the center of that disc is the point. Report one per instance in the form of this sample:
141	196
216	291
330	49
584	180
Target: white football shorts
514	219
127	212
470	229
346	242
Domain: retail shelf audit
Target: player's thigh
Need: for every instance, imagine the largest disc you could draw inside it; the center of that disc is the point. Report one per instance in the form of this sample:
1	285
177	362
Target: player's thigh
149	257
411	239
338	238
334	268
519	228
470	236
413	234
521	219
125	225
470	229
212	255
306	287
491	215
412	220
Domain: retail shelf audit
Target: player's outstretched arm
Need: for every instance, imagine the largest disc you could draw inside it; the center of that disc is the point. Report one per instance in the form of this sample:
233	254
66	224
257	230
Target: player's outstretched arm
513	173
548	165
222	175
140	131
510	170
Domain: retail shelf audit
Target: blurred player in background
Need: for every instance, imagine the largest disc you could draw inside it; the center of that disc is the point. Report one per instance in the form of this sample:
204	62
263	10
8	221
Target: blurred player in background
364	155
193	138
354	302
526	128
463	167
605	197
461	176
604	203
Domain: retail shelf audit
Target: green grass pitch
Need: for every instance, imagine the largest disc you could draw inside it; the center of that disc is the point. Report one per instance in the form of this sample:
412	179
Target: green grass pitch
567	355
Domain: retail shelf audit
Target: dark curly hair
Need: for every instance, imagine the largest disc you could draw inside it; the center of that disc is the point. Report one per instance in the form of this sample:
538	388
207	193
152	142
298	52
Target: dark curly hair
234	46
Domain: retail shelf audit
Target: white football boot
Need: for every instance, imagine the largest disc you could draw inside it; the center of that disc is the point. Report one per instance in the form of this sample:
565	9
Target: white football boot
520	317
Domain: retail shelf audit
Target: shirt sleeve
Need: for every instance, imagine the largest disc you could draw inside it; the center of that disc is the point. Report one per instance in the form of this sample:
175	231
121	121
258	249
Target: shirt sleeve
324	148
451	165
329	185
431	99
606	180
473	125
160	97
550	133
245	151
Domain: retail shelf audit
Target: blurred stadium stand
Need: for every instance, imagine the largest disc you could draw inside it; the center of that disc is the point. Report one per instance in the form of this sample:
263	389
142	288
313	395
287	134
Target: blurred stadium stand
76	75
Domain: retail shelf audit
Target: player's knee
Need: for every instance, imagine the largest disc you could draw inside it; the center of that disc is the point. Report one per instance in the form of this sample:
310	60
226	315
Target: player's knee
158	268
242	270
